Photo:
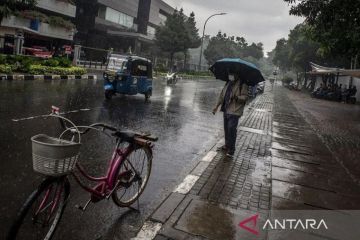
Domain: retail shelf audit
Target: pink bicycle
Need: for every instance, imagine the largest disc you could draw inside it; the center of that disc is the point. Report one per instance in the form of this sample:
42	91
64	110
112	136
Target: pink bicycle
127	175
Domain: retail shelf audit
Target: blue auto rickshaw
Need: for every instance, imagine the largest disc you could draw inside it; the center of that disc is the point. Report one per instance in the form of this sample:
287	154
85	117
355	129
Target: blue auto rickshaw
128	75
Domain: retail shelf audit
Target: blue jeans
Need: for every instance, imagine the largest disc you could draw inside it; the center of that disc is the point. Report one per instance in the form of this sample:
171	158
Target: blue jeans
230	128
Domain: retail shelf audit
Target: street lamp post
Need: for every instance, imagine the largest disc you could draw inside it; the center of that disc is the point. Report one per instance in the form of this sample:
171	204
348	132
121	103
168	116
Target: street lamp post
203	35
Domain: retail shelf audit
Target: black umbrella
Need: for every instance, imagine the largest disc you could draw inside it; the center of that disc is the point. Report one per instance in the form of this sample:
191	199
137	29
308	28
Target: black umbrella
246	70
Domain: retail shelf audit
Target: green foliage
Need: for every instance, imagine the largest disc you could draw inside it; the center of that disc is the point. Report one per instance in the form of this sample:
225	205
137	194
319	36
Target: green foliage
2	59
302	49
172	36
24	60
194	40
281	54
63	61
40	70
254	50
297	51
5	69
161	68
9	7
222	46
54	21
334	24
196	73
19	63
178	34
33	65
60	22
50	63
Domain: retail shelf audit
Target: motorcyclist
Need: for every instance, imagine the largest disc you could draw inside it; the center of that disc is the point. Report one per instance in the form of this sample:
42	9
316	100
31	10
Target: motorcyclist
174	71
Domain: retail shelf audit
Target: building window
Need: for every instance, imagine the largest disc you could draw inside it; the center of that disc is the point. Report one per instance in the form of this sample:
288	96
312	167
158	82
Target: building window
118	17
163	18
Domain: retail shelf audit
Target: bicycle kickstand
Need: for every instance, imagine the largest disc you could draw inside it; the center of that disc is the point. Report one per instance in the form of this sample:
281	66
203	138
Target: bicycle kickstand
135	209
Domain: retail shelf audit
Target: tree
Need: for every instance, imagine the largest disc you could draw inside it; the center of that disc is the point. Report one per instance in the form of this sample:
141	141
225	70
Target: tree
222	46
302	49
8	7
334	24
297	52
281	55
254	50
194	40
177	35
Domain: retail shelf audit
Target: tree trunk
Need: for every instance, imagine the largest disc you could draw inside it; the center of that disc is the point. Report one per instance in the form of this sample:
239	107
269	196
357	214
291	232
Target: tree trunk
355	62
185	61
306	78
171	60
297	80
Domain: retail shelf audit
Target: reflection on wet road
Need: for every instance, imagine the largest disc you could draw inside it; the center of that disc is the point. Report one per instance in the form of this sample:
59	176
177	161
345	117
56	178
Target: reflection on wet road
179	115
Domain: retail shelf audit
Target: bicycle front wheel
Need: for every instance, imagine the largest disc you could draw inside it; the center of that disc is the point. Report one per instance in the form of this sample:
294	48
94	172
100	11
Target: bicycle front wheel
133	176
42	211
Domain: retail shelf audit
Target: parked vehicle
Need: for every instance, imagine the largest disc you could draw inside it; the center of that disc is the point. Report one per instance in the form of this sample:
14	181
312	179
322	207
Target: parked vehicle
38	51
128	75
171	78
293	86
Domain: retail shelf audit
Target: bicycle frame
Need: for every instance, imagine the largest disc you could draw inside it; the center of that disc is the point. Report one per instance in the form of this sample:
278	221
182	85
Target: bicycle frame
106	184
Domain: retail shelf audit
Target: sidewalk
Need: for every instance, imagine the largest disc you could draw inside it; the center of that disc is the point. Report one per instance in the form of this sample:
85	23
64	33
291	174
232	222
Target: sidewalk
280	164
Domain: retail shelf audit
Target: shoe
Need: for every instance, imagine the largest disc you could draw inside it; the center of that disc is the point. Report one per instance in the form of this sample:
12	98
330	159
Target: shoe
229	156
222	148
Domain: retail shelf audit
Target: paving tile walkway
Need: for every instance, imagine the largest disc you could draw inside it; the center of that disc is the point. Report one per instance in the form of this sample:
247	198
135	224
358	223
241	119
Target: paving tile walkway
280	164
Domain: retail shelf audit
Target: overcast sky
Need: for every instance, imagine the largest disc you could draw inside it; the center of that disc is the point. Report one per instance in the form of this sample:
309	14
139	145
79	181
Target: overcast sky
257	20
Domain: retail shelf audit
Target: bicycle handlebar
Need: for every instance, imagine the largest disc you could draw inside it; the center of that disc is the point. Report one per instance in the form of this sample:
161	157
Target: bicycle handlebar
116	132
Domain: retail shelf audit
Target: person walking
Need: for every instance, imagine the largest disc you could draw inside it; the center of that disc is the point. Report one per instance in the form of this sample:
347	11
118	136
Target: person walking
232	100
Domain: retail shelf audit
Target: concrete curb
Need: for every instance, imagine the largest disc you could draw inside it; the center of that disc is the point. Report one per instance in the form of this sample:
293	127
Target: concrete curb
47	77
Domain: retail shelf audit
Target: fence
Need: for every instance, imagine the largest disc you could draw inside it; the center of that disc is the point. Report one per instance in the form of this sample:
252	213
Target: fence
91	64
96	58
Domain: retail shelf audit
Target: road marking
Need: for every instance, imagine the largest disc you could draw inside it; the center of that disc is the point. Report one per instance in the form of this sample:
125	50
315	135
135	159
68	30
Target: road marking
41	116
209	156
187	184
200	168
148	231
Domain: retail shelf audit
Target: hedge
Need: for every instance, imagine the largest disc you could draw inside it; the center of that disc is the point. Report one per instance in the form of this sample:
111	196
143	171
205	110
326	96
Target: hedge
5	68
287	80
37	66
40	70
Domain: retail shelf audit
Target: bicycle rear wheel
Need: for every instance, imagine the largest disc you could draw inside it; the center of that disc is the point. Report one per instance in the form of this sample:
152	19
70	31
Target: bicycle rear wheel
42	211
133	175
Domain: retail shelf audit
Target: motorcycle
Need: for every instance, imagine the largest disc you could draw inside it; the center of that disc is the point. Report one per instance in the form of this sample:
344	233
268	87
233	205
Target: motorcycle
171	78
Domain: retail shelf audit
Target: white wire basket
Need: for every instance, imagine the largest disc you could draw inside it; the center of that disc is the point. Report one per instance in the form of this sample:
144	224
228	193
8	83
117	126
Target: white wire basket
55	156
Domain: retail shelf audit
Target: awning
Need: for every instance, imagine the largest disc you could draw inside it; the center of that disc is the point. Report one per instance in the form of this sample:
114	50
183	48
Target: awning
321	70
134	35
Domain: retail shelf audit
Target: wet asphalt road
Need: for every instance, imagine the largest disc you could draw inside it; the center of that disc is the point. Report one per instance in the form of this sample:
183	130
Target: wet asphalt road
180	116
